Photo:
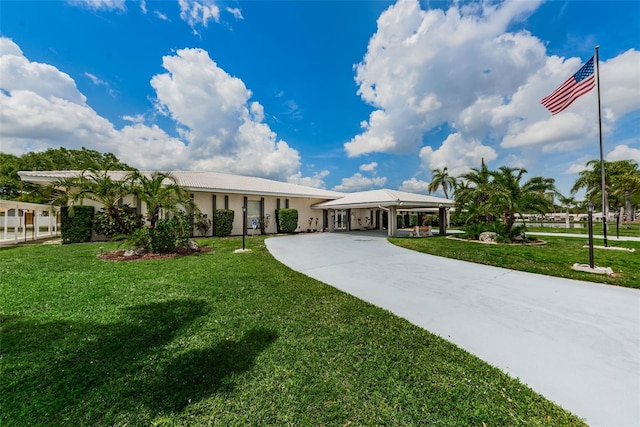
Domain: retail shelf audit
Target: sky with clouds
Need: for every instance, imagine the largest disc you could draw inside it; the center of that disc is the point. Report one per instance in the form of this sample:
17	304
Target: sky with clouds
343	95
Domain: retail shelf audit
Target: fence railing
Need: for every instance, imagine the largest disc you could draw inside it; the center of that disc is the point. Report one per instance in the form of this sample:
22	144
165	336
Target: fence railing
22	222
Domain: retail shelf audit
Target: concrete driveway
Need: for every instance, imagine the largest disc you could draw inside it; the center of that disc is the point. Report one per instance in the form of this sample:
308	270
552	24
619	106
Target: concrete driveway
577	343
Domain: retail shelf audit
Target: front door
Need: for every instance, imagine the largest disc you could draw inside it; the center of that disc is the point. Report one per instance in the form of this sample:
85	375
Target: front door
340	220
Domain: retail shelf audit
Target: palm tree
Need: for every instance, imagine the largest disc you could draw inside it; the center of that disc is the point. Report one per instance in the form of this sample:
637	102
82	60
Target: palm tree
441	178
567	202
622	179
471	193
95	185
509	197
625	182
160	190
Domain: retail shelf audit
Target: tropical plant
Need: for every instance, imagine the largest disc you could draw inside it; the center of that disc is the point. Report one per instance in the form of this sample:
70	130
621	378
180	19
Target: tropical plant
567	202
623	184
160	191
441	178
104	224
98	186
501	194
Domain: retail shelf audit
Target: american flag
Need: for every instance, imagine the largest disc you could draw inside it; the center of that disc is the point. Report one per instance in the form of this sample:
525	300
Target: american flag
575	86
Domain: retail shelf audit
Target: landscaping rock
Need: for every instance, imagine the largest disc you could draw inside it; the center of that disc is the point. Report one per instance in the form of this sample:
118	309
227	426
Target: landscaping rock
134	252
193	246
488	237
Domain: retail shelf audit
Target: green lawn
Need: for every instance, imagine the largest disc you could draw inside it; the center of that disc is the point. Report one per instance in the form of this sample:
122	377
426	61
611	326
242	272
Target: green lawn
226	339
554	259
612	232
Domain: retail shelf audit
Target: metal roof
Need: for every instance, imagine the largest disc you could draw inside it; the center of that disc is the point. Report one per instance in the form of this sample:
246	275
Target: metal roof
385	198
208	182
213	182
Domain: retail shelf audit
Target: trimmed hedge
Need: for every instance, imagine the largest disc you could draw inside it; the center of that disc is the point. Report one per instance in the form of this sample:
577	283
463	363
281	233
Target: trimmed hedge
223	222
106	225
287	220
75	226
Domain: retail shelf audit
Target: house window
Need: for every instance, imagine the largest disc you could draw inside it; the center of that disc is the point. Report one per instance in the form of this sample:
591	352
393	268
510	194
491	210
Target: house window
253	212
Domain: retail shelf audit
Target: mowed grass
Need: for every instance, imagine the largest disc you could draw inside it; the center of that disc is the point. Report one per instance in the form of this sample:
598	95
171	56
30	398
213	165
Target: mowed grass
226	339
583	228
553	259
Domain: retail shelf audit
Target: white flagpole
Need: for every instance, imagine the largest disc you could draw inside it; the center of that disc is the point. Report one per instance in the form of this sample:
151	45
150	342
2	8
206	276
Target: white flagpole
605	207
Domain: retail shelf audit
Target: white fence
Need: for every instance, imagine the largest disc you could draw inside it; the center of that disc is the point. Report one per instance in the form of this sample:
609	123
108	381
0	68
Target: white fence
21	222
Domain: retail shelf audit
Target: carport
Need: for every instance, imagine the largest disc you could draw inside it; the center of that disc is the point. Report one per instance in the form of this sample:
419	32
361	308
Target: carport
366	209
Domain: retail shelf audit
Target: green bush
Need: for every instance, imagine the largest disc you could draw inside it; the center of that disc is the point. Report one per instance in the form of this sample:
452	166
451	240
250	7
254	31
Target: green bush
75	224
107	225
202	223
224	222
287	220
170	235
413	220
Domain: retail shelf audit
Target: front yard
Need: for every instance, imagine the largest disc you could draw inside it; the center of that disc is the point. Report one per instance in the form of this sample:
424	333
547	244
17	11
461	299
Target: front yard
227	339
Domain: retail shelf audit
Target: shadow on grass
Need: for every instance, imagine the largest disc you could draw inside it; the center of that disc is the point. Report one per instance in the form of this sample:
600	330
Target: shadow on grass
66	372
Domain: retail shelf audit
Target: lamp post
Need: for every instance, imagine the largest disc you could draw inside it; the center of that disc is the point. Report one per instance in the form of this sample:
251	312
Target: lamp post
244	224
590	221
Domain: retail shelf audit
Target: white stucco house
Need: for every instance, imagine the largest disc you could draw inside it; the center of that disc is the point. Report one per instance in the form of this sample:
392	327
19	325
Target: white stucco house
318	209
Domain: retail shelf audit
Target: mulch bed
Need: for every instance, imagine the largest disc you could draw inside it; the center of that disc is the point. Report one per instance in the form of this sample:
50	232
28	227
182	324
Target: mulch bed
119	255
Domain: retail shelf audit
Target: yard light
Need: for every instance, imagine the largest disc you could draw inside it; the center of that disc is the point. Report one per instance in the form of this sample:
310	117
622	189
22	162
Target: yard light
244	224
590	221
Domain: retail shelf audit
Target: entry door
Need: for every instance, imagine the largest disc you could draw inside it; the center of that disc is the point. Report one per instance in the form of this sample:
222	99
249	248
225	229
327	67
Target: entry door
340	220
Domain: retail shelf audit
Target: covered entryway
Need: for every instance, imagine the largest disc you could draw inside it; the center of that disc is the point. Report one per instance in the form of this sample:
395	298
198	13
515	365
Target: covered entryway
371	210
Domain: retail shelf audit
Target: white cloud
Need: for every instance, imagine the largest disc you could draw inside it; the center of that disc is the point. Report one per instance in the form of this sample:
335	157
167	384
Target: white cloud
99	82
117	5
458	154
143	6
160	15
578	125
357	182
316	181
414	185
422	68
18	73
624	152
198	13
235	12
222	128
462	69
219	128
369	167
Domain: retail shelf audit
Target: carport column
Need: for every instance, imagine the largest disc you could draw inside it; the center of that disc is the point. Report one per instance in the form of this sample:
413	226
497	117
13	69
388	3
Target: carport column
393	222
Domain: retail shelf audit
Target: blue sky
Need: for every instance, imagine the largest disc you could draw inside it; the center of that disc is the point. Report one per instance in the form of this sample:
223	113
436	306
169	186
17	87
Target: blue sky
344	95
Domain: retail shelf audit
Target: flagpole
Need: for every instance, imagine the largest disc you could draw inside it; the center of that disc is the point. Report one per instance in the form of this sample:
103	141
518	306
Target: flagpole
605	207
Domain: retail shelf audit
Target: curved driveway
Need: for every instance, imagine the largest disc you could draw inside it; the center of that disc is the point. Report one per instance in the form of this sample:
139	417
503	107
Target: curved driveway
577	343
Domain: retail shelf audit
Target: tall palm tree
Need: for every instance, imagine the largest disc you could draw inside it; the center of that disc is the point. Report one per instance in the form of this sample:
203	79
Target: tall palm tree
160	190
441	178
567	202
622	179
625	182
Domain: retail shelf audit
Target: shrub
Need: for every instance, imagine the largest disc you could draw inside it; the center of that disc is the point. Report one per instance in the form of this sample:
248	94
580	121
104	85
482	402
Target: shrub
75	224
106	224
413	220
287	220
202	223
170	235
139	238
224	222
